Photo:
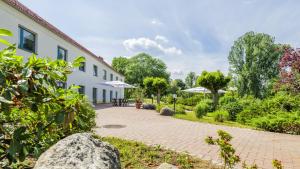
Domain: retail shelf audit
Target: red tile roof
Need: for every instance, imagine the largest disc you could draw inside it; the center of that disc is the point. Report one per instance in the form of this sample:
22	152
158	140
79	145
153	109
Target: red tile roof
35	17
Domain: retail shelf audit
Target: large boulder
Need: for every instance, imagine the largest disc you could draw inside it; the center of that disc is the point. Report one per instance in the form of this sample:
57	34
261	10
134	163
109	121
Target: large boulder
166	111
166	166
80	151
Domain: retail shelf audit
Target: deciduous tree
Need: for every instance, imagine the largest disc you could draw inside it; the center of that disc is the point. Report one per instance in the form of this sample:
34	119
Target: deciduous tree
190	79
213	81
120	64
141	66
290	71
253	61
156	84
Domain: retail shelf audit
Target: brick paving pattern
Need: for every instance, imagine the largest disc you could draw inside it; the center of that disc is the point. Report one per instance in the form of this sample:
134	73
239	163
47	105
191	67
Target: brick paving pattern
185	136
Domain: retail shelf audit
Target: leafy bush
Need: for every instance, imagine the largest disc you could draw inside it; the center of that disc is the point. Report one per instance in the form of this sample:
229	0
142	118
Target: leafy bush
251	109
190	101
203	108
227	98
282	122
34	111
220	115
233	108
281	102
159	107
149	106
227	151
166	111
180	109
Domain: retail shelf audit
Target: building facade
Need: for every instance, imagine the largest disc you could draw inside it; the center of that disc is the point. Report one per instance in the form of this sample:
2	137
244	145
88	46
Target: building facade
34	35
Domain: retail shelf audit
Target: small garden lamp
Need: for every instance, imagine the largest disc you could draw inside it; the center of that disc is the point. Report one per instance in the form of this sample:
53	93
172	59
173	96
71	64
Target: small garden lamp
152	96
174	100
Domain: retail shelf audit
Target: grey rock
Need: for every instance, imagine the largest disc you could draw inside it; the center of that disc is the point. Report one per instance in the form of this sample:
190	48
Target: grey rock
166	166
166	111
79	151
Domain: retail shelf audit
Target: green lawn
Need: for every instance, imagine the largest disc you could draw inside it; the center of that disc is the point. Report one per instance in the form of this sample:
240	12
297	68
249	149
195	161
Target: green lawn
136	155
191	116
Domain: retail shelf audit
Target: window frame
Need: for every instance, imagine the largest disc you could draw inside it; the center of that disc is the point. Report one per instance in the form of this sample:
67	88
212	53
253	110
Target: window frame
84	67
66	51
95	71
81	87
111	77
21	30
104	74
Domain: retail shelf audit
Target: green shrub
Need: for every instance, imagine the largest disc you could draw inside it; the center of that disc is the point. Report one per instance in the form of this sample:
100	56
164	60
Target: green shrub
282	122
180	109
34	111
251	109
281	102
227	98
159	107
168	99
203	108
220	115
233	108
190	101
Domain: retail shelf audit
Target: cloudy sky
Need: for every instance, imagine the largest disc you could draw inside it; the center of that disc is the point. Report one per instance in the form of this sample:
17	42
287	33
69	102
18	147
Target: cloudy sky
193	35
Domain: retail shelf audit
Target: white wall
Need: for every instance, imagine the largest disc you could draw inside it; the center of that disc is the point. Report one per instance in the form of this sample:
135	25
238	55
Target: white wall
47	43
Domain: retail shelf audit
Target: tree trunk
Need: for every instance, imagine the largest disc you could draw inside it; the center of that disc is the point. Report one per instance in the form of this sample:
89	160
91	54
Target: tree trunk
215	96
158	96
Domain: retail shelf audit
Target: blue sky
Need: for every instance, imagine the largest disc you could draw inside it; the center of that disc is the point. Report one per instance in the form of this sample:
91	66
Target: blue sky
193	35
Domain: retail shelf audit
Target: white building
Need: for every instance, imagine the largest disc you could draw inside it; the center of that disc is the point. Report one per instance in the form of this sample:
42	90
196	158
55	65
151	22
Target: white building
33	34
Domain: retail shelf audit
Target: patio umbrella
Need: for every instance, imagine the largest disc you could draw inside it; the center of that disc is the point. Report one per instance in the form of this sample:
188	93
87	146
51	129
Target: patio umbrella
117	84
197	90
201	90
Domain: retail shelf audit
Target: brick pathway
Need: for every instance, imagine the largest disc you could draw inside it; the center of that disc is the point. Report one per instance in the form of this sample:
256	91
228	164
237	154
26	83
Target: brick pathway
181	135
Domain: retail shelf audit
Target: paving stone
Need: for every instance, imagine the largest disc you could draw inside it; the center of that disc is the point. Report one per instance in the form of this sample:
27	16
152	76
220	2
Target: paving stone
149	127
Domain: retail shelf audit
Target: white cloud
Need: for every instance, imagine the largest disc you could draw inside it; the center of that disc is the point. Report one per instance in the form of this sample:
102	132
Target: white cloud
146	44
157	22
161	39
177	72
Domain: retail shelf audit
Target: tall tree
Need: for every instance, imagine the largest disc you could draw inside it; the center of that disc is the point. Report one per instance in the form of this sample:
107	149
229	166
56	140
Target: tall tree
290	71
156	84
253	61
120	64
141	66
180	84
190	79
213	81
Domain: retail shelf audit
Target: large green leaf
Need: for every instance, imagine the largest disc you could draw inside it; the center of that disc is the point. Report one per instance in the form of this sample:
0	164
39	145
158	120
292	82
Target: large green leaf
77	62
5	42
3	100
4	32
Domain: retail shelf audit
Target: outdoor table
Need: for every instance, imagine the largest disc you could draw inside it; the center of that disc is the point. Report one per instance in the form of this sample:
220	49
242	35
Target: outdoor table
115	103
120	102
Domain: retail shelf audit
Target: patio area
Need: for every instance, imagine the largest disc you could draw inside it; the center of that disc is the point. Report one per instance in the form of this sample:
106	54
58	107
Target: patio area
186	136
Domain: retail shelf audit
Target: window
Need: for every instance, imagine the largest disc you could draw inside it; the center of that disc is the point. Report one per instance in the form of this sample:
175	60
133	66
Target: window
62	85
95	70
104	96
62	53
95	95
121	80
27	40
104	74
111	77
81	89
110	96
117	78
116	95
82	66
